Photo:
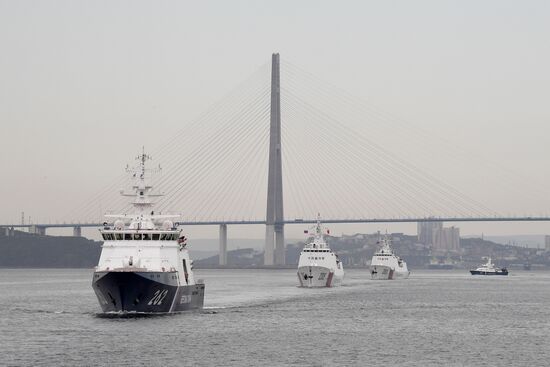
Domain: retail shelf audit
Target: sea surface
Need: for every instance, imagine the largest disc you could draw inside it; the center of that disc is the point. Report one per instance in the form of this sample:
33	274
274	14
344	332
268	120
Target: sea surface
260	318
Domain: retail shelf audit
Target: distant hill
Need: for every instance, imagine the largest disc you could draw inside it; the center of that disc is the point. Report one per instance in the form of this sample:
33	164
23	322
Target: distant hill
247	257
357	250
212	244
24	250
533	241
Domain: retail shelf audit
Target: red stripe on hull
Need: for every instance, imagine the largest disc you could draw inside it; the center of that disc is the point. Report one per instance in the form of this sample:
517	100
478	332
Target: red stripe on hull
329	279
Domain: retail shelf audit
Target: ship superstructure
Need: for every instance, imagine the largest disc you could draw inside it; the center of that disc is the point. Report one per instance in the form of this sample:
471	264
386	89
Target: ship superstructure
385	264
318	265
144	264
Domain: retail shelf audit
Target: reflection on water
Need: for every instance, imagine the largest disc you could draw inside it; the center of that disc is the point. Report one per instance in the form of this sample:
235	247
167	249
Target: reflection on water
260	317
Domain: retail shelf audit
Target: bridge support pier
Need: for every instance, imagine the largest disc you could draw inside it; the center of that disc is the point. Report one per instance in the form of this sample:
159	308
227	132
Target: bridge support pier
77	231
280	258
274	251
269	244
223	244
38	230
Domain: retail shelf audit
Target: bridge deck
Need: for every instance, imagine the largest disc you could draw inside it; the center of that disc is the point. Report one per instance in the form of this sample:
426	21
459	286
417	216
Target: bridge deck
307	221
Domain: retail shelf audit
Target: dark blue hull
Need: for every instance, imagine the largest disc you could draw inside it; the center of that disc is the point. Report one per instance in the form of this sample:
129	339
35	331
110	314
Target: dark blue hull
499	272
145	292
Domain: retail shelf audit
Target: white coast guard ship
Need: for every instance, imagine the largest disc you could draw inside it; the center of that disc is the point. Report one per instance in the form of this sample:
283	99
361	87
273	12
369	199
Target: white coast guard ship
144	264
385	264
318	265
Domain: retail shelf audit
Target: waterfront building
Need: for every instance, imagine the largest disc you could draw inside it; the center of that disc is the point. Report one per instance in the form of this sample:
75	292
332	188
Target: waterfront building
426	231
441	240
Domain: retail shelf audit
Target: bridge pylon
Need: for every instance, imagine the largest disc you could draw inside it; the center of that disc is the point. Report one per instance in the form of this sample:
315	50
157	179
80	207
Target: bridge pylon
274	252
223	245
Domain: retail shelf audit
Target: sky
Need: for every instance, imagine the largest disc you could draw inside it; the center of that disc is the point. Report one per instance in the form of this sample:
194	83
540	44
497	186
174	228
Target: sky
85	84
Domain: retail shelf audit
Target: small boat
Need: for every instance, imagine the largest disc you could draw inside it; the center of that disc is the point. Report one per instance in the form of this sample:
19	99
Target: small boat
318	265
489	269
386	265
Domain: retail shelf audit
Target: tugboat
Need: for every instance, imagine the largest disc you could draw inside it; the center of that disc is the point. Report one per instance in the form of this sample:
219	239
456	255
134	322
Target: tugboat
385	264
489	269
144	265
318	265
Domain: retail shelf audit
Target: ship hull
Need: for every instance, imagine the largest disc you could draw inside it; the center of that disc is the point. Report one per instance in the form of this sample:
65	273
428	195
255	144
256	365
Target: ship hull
382	272
478	272
145	292
319	276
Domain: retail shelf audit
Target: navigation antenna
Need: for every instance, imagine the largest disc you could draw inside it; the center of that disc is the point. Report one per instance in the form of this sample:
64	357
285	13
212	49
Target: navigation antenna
142	158
317	227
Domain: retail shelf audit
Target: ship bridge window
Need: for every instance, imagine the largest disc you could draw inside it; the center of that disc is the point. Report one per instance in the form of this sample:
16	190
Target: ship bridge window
156	236
163	237
118	236
146	237
137	236
127	236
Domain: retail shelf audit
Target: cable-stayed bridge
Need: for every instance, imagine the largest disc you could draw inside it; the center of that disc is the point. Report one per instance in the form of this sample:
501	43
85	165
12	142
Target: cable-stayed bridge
300	143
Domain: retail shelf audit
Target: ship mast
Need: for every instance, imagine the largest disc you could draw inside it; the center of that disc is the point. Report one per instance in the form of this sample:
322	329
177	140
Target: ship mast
141	186
318	231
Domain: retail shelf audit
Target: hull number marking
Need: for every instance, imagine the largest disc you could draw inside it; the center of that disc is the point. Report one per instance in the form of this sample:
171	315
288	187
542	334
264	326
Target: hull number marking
158	297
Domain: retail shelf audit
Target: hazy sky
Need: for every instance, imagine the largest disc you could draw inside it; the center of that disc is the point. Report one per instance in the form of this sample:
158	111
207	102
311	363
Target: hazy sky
83	85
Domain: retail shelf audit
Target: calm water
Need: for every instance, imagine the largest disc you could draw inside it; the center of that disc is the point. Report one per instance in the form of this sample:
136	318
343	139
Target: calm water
259	317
